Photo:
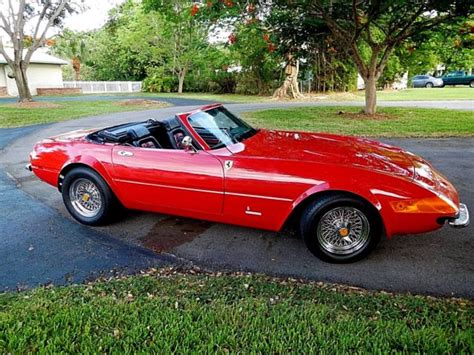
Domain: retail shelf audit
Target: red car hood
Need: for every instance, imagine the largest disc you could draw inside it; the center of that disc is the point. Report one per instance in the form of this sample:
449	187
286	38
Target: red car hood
329	148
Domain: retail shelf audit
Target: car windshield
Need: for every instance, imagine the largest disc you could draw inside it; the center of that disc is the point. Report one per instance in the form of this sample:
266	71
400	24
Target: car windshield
218	127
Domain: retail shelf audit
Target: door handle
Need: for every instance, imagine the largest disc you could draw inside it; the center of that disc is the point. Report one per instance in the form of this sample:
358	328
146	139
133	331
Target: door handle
124	153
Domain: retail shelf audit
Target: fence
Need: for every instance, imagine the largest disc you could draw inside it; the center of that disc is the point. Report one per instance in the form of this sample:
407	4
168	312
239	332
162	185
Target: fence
92	87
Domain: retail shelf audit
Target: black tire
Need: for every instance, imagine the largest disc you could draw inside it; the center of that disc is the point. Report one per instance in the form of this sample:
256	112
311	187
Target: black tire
429	85
322	207
471	83
109	205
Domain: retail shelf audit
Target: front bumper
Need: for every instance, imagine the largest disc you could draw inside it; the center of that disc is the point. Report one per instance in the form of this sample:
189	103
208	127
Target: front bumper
462	220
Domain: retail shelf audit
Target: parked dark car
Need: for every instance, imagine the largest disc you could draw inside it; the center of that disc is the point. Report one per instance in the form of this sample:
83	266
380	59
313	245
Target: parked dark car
458	78
426	81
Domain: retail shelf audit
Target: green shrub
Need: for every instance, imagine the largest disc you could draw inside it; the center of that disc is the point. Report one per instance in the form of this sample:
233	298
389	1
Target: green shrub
158	81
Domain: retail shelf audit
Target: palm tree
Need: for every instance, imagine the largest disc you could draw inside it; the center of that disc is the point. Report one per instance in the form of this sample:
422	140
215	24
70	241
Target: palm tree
72	45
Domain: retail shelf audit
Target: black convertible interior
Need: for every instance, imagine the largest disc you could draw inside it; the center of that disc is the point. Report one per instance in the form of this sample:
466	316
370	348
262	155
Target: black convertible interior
166	134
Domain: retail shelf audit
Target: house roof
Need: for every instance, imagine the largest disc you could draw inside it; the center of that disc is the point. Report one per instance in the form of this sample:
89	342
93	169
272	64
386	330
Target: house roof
38	57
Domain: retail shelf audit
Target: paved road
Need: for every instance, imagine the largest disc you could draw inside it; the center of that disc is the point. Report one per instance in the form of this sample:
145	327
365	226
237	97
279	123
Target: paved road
435	263
176	101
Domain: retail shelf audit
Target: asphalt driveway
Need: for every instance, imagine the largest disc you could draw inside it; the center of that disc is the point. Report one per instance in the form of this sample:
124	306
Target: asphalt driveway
39	246
437	263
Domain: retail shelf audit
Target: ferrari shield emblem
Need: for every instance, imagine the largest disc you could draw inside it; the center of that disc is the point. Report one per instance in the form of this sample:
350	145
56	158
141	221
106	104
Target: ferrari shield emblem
228	164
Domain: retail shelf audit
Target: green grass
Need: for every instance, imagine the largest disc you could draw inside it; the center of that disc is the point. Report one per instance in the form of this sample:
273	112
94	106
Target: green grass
220	314
401	122
424	94
14	116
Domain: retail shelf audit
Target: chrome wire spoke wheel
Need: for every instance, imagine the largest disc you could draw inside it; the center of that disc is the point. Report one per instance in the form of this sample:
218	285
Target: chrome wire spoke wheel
343	230
85	197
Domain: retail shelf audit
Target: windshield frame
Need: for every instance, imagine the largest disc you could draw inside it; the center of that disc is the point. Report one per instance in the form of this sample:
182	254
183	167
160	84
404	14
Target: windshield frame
185	119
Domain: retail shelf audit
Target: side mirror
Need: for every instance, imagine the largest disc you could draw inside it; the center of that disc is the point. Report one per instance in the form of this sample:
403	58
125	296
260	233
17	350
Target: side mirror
187	144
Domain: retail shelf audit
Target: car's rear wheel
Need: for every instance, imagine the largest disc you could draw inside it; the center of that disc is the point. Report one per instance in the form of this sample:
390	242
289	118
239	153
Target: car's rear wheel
429	85
88	198
340	229
471	84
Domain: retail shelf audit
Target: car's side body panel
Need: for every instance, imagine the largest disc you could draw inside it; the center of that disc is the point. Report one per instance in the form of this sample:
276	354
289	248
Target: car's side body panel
457	78
421	81
51	156
167	178
264	193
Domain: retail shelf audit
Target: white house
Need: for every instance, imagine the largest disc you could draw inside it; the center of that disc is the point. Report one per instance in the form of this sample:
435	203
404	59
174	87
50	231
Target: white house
44	71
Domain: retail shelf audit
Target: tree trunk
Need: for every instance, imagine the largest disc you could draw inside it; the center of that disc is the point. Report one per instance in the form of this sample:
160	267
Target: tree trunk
76	65
370	95
181	76
289	88
21	81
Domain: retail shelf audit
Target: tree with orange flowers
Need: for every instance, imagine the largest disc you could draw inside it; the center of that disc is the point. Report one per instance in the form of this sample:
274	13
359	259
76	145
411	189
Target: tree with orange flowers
368	31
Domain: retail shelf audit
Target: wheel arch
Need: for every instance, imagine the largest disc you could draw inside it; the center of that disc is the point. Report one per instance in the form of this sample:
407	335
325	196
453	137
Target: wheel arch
304	201
84	162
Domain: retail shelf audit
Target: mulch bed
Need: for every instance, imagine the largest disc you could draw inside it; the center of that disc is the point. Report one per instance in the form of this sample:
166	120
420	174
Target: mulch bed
140	102
363	117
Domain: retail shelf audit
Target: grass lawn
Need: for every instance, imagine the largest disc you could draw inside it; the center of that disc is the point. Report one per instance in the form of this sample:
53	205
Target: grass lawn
12	115
424	94
399	122
200	313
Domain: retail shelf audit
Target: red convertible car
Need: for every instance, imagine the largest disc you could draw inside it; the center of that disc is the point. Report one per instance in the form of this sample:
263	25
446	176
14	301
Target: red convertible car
344	192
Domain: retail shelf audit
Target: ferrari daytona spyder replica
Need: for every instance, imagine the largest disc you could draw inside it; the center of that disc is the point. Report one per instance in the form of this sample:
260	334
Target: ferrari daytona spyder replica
343	192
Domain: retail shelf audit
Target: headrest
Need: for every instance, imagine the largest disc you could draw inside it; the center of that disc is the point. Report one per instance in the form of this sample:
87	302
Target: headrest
138	132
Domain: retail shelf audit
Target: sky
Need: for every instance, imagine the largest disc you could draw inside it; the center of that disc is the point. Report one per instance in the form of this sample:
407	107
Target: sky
93	17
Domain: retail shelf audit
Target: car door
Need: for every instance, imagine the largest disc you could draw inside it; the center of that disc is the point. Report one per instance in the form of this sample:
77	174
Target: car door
449	78
416	81
419	81
162	179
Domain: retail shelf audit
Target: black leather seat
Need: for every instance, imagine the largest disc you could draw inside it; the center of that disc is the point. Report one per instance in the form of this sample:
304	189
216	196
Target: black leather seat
141	137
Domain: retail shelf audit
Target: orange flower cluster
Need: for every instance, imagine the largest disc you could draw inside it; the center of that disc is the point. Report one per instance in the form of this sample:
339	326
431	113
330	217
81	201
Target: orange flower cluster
271	47
194	10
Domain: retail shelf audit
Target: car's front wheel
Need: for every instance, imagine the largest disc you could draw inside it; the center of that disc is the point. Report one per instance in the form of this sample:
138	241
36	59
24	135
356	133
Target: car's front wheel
88	198
340	229
429	85
471	84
